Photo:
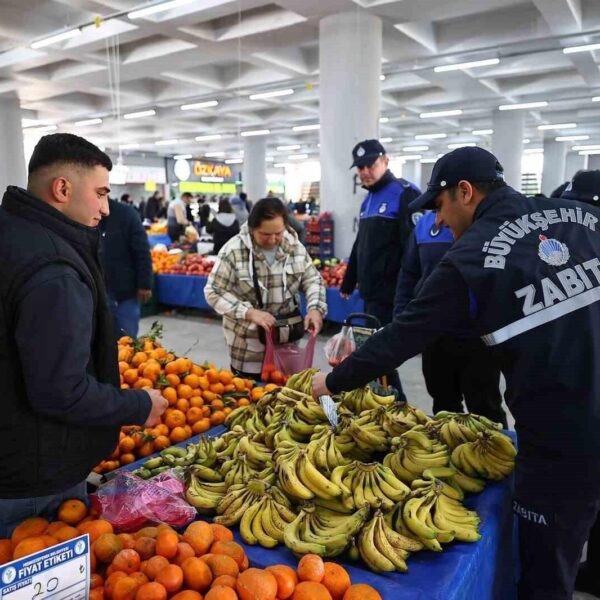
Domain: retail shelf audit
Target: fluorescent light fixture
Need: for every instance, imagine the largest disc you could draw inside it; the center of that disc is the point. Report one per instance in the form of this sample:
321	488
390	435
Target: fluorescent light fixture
234	161
195	105
382	78
33	123
254	132
280	165
290	147
214	154
156	8
59	37
166	142
523	105
270	159
297	156
139	114
182	156
384	119
584	48
415	148
533	151
557	126
596	99
441	113
587	147
306	127
129	146
431	136
589	152
273	94
482	131
87	122
427	161
386	140
571	138
45	129
467	65
461	145
526	141
207	138
410	157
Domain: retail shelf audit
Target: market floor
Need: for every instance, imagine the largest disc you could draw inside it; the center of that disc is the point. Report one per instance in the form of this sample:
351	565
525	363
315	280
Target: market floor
199	336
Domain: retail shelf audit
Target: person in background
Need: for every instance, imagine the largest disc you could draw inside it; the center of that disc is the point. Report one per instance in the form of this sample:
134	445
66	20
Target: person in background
453	367
384	229
141	208
203	211
247	203
62	407
223	227
239	209
126	199
176	216
153	207
189	242
296	225
188	211
127	266
258	275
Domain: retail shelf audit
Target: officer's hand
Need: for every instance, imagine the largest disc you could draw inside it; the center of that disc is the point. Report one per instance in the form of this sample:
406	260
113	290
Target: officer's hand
159	405
144	295
313	321
319	387
261	318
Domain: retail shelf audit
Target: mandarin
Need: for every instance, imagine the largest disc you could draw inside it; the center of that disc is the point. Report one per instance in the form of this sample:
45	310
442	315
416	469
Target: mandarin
287	580
256	584
361	591
311	590
311	568
196	574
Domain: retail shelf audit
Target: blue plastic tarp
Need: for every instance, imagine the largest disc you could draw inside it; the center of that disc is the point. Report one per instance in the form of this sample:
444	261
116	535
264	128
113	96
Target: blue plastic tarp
159	239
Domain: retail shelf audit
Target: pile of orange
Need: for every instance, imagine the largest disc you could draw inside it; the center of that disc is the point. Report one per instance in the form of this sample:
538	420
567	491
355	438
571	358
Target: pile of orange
199	396
162	261
271	374
156	563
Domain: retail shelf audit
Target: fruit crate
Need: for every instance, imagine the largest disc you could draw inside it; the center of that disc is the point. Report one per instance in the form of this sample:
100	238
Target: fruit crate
320	237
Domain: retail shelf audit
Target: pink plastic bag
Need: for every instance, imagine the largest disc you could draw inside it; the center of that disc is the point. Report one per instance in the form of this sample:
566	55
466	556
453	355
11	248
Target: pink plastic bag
129	502
340	346
287	358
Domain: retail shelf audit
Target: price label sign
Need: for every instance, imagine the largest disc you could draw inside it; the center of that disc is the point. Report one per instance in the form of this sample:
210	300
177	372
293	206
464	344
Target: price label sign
329	409
61	572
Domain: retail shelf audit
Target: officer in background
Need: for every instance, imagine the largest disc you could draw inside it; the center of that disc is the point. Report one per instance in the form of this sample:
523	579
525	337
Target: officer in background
452	366
385	226
585	187
523	274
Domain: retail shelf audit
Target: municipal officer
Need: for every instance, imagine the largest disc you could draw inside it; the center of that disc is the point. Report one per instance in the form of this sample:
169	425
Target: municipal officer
523	274
385	226
585	187
453	366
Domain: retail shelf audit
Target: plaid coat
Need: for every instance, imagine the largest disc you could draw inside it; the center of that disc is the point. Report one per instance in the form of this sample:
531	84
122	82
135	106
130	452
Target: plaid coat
230	291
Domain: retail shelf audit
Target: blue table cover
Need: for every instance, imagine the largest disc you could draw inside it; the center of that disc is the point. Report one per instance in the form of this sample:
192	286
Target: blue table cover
159	239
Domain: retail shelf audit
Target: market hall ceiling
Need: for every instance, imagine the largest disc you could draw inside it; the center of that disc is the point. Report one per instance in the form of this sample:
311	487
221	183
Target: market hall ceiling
217	53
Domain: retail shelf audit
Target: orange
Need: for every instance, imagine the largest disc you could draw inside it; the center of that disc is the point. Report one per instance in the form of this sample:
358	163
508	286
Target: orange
192	380
178	434
154	566
6	551
229	548
203	383
243	402
72	511
226	377
217	418
221	534
127	561
151	591
221	592
123	366
171	577
110	582
95	528
127	459
66	533
185	365
183	405
217	403
209	396
256	584
239	384
193	415
221	564
125	588
28	546
336	580
166	544
139	358
131	376
224	580
187	595
175	418
361	591
54	527
29	528
184	551
287	580
49	540
170	395
142	383
270	387
201	426
199	536
212	375
161	442
196	574
311	568
127	444
245	564
196	401
96	594
150	532
217	388
96	580
139	577
184	391
311	590
107	546
145	547
173	379
197	370
172	368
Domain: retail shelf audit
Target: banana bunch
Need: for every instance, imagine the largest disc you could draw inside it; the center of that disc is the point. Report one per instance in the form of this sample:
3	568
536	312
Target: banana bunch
298	477
365	399
413	452
382	548
475	423
204	496
239	470
409	413
458	480
368	484
257	454
239	415
318	530
254	424
368	435
458	428
491	456
226	444
206	452
279	421
302	382
326	449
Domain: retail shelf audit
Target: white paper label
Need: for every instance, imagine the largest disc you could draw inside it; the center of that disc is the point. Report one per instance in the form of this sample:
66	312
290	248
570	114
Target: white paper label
329	409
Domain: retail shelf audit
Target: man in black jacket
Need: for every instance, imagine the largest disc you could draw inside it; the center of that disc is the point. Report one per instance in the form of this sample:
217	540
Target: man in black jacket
385	225
524	275
61	403
127	266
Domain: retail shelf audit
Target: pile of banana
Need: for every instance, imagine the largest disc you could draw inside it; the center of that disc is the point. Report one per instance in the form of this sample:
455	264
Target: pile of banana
491	456
365	399
318	530
456	428
302	382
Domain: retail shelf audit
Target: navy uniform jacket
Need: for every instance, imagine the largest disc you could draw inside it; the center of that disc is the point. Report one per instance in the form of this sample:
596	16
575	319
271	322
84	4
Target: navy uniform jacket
426	247
532	267
385	226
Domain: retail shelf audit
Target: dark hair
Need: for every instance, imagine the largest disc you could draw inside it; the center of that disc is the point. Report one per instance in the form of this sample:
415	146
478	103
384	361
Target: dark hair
186	195
265	210
243	196
67	148
483	187
225	206
125	197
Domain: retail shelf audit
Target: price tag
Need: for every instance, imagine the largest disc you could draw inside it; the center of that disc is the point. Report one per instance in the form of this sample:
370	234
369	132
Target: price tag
61	572
329	409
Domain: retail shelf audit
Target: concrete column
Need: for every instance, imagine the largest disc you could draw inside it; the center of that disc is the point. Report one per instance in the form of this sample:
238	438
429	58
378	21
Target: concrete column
573	163
349	61
411	171
255	168
426	170
593	162
553	174
507	144
12	155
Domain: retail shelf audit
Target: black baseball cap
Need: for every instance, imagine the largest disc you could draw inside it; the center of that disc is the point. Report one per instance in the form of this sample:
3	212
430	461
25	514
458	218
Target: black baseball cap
469	163
365	153
585	187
